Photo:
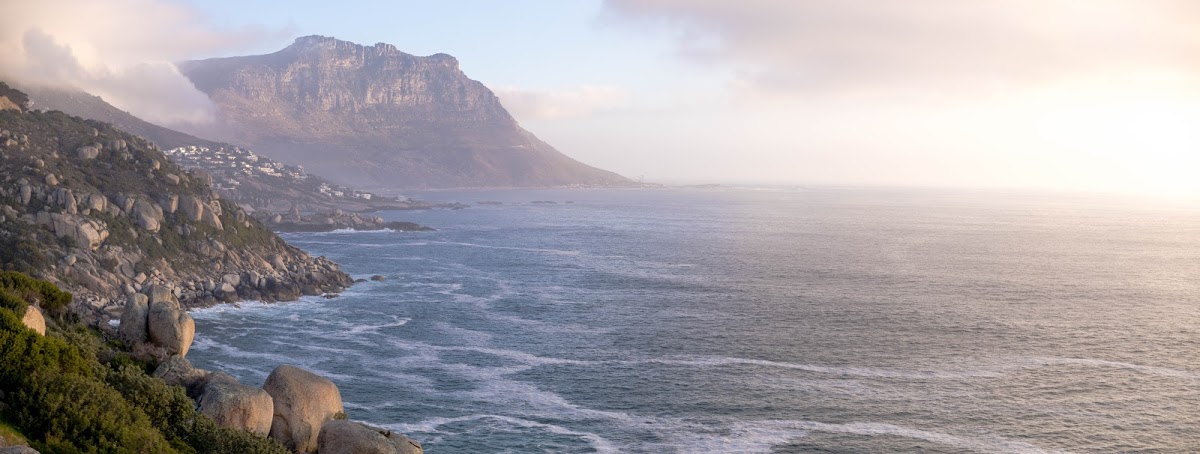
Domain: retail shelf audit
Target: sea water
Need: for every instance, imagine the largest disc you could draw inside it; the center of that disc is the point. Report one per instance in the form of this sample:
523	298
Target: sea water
743	320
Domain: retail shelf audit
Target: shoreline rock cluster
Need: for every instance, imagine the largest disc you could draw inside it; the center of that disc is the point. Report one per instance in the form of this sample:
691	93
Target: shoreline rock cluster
334	220
300	409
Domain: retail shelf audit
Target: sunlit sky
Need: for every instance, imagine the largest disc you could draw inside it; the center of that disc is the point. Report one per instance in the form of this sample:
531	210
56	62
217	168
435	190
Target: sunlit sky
1095	95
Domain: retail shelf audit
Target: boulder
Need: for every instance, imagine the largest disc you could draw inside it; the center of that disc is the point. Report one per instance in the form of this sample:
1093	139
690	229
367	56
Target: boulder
51	180
147	214
134	319
178	371
96	202
303	402
87	152
212	217
237	406
169	203
170	327
34	320
84	232
192	207
347	437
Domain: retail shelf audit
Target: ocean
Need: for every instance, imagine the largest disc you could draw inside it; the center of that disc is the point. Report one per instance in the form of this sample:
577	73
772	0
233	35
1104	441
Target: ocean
741	320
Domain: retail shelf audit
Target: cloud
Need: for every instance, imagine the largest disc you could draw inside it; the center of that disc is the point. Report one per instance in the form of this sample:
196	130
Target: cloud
562	103
873	46
120	50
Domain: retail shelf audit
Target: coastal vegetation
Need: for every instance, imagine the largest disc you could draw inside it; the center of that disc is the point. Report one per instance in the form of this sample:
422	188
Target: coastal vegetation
70	391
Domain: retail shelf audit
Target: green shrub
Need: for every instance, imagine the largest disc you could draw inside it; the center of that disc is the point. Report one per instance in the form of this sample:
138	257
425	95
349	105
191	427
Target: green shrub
65	401
173	413
24	353
11	301
35	291
74	413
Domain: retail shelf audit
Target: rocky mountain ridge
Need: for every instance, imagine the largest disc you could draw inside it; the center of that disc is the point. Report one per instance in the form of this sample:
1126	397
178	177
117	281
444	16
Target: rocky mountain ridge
103	214
376	117
278	191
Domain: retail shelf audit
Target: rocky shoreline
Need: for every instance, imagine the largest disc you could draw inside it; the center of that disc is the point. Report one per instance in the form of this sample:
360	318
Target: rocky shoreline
335	220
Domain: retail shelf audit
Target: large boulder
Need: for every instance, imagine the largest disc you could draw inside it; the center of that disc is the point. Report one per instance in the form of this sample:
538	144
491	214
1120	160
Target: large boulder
178	371
212	217
133	320
34	320
303	402
170	327
192	207
87	152
84	232
148	214
237	406
347	437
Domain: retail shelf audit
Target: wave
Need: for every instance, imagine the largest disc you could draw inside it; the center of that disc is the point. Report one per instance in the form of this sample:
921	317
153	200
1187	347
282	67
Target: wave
761	436
716	361
370	328
511	248
431	425
1091	362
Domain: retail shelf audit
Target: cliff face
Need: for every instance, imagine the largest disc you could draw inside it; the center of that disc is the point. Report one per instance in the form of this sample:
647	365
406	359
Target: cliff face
375	116
103	213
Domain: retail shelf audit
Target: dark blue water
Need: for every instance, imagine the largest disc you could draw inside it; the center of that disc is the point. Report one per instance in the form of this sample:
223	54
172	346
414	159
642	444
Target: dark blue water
755	321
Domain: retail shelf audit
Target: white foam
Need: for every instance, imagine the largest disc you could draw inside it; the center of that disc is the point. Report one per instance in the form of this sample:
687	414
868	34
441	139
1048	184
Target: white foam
1091	362
431	425
760	436
512	248
713	361
396	322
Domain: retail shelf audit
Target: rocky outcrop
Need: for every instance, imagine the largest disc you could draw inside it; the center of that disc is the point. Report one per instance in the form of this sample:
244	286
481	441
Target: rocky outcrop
105	215
170	326
83	232
348	437
178	371
337	220
18	450
147	214
34	320
375	116
234	405
303	402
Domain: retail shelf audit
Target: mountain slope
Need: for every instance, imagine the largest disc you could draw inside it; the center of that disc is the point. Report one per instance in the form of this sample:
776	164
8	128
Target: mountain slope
253	191
103	213
82	104
377	117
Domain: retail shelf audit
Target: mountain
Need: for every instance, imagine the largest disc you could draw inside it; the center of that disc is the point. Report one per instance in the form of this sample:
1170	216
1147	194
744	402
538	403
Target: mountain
82	104
239	173
377	117
103	214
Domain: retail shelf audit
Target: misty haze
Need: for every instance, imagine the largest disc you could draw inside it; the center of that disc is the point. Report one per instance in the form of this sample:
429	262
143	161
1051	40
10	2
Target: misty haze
599	226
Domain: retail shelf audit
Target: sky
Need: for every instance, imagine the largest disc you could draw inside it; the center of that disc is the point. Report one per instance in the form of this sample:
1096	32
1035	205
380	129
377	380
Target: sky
1080	95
